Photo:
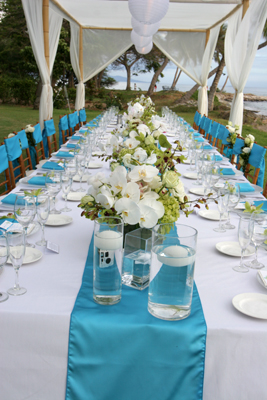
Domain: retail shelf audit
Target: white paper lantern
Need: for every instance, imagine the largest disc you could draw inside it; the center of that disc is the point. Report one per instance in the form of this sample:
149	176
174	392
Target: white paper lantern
140	41
148	11
144	50
145	29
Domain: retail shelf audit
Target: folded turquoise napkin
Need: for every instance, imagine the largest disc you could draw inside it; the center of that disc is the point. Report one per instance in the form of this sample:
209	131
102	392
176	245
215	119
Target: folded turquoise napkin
197	134
207	147
246	187
38	180
82	130
11	198
264	202
217	157
64	154
73	146
75	138
200	139
227	171
52	165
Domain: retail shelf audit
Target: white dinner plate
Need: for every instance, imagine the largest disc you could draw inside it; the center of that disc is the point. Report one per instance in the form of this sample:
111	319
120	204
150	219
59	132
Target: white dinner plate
233	249
25	180
252	304
170	134
98	153
187	161
199	191
31	255
236	171
84	178
94	165
190	175
75	196
214	215
58	220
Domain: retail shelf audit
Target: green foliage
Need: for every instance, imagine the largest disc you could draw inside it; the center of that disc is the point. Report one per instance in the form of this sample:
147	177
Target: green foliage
5	89
72	94
22	91
195	95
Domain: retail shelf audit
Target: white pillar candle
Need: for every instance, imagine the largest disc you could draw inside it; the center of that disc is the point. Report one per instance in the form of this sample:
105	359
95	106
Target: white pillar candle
176	256
108	240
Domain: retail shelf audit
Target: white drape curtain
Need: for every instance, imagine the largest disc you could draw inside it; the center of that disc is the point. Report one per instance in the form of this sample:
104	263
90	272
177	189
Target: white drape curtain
241	42
100	48
33	14
187	50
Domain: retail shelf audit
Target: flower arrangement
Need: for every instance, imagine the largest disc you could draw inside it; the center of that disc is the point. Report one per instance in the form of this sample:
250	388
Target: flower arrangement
233	134
29	129
246	149
250	208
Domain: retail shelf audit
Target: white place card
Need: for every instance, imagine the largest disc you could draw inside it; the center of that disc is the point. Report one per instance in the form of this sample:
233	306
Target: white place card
52	247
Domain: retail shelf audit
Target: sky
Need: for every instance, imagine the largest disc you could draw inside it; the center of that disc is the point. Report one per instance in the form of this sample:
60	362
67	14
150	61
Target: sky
257	78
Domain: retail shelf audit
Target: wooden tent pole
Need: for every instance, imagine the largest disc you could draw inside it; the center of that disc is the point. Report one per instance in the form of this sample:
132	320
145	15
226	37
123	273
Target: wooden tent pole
46	30
245	7
207	37
81	52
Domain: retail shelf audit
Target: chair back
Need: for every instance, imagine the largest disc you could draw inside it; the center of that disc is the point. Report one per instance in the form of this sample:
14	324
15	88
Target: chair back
5	184
72	123
23	139
77	119
63	126
38	153
82	116
214	133
207	127
49	137
15	160
201	124
223	146
25	150
257	161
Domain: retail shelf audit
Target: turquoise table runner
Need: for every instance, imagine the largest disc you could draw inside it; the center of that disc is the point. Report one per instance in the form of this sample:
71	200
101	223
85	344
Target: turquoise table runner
122	352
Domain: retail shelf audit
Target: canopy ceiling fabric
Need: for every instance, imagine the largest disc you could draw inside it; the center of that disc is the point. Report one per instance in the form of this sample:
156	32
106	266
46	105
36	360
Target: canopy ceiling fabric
100	31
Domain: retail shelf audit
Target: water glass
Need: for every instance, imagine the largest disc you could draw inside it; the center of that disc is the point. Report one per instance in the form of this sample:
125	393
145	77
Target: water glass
222	204
136	259
108	253
65	187
234	197
259	236
172	271
16	251
3	259
25	211
53	186
245	231
42	211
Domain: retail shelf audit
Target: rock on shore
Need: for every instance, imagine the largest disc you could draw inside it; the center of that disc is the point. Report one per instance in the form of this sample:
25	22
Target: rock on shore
247	97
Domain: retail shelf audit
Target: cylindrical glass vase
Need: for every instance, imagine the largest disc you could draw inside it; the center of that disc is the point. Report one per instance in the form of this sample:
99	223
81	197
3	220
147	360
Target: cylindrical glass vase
172	271
108	252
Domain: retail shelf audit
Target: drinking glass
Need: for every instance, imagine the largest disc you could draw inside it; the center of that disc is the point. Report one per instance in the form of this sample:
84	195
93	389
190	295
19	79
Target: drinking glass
25	211
80	171
245	231
65	186
223	200
234	197
259	236
108	253
71	170
199	167
16	251
3	259
42	211
172	271
53	186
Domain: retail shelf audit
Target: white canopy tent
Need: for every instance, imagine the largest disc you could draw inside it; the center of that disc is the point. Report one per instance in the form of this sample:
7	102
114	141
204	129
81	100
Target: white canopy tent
100	33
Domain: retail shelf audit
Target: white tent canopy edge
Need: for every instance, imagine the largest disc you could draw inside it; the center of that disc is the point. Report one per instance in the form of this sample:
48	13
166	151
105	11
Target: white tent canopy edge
94	49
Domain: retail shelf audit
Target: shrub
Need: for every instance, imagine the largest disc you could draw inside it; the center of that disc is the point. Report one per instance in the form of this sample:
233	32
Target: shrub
5	89
23	90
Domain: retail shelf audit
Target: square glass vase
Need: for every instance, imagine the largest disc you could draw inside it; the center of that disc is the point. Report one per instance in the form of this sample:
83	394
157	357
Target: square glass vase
137	258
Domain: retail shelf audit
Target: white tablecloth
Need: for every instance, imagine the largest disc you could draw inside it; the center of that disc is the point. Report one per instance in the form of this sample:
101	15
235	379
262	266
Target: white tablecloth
34	327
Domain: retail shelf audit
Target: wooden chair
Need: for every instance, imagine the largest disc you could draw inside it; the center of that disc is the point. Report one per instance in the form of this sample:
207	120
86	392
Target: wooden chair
265	190
213	137
83	118
39	144
72	119
49	134
26	156
5	184
256	165
63	126
15	160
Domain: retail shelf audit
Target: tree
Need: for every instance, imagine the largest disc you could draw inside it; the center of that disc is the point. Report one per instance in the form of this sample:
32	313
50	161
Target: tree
176	78
130	61
157	73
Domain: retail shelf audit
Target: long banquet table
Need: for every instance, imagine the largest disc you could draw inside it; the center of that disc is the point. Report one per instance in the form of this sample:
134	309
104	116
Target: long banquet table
34	328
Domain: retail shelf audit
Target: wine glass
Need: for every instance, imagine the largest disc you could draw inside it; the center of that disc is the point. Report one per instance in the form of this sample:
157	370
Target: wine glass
66	185
25	211
16	251
42	211
259	236
199	167
234	197
3	259
222	204
80	171
245	230
71	170
53	186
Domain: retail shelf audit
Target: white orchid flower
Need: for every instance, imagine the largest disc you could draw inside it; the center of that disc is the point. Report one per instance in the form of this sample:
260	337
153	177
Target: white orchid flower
92	192
133	134
144	129
118	181
151	159
105	198
155	183
157	206
128	210
97	180
131	143
148	217
120	169
143	172
127	160
132	192
140	155
114	142
150	195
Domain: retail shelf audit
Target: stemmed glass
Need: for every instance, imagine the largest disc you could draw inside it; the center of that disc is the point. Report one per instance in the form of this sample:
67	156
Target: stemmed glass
234	197
80	171
222	204
71	170
53	186
42	211
199	167
16	251
3	260
25	211
66	185
259	235
245	230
